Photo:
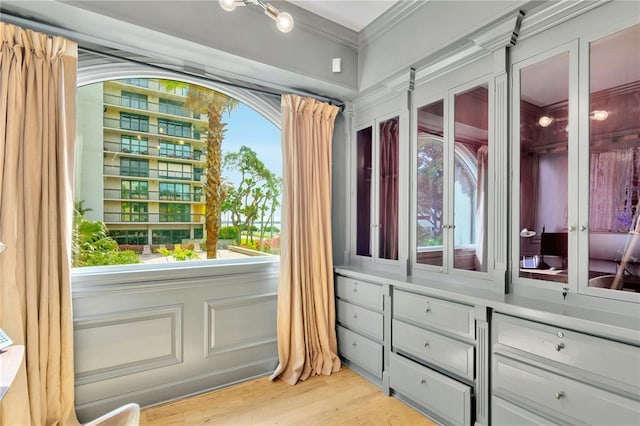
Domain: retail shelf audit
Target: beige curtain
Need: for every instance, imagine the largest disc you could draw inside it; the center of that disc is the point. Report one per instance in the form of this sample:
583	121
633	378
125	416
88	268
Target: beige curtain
307	343
37	131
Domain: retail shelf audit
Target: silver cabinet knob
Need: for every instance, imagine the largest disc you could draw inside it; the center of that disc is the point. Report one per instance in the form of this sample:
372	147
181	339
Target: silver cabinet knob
426	344
560	334
559	395
582	228
355	316
355	289
559	347
428	310
423	381
572	228
354	344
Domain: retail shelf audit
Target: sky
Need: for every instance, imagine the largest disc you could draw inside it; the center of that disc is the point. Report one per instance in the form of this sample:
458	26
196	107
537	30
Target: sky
247	127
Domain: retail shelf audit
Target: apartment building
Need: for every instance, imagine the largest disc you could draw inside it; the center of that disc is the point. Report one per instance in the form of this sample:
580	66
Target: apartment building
148	152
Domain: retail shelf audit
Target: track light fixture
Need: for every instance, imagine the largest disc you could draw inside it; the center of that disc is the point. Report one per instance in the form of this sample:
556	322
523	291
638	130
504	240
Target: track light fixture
284	20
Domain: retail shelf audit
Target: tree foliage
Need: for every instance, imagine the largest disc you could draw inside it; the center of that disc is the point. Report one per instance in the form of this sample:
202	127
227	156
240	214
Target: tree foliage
256	197
91	244
430	191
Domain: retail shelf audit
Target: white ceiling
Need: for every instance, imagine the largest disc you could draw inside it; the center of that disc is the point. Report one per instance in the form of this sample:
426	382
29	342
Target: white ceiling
353	14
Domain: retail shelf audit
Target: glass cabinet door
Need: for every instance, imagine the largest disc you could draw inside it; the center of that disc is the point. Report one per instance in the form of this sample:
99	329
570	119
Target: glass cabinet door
614	161
543	164
430	184
364	141
388	189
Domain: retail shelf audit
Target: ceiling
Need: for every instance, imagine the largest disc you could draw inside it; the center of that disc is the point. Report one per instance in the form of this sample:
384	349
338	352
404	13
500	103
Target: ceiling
353	14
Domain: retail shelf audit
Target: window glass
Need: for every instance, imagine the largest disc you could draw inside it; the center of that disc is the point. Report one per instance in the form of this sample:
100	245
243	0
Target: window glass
151	184
544	106
429	184
470	179
614	172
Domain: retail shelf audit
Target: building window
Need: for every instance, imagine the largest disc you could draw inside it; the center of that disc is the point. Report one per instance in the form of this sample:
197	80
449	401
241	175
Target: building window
197	194
134	145
169	236
137	237
170	212
175	150
174	171
175	191
198	234
168	106
135	122
140	82
134	100
134	167
174	128
134	212
134	189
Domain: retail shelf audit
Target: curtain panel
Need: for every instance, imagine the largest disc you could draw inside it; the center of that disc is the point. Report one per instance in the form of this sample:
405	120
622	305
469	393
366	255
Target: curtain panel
37	136
389	189
307	342
482	208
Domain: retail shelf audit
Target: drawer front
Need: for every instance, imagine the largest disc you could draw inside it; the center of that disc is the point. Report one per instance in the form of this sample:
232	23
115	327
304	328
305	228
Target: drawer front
361	351
445	397
505	413
611	360
436	313
445	352
560	396
360	319
360	292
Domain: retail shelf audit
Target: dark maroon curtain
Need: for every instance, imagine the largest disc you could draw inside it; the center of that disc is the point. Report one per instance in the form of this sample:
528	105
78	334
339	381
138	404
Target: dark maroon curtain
389	189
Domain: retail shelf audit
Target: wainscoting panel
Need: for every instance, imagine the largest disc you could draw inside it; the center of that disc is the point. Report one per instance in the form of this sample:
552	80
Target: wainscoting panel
153	335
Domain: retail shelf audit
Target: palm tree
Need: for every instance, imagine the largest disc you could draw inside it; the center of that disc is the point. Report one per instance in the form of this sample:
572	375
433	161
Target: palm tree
214	104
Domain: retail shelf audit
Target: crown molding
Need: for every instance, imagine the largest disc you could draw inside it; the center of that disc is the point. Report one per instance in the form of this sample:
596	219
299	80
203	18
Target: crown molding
392	17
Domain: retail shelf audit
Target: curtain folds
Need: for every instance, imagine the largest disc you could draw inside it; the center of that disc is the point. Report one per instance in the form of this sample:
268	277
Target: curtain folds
37	136
389	189
482	212
307	342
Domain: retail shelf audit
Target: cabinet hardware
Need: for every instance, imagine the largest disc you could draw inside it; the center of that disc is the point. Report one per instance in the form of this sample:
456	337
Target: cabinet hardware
355	289
559	346
423	382
583	228
355	316
428	310
572	228
354	344
559	395
560	334
426	344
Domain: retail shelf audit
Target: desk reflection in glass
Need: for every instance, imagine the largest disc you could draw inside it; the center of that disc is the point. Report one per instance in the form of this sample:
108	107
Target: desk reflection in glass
555	275
550	265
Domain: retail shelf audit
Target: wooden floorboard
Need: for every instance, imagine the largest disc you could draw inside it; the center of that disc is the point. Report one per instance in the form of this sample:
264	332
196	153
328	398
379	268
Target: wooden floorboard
344	398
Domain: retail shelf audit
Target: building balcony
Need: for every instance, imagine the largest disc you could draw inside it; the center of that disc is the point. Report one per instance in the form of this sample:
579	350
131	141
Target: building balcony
151	86
144	173
138	105
145	128
150	151
133	195
152	218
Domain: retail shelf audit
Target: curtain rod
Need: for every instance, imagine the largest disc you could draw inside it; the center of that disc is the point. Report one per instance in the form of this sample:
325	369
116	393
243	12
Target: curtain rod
83	39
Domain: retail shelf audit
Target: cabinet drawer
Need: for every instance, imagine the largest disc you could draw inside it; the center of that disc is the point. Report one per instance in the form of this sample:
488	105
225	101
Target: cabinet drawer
443	351
505	413
360	319
445	397
560	396
435	313
360	292
613	361
361	351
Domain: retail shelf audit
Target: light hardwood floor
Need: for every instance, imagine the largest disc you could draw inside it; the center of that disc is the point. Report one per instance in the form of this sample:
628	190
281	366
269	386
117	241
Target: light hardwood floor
343	398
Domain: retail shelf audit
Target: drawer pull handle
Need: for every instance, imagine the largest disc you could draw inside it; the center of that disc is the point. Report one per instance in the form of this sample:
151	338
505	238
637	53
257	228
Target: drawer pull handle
423	382
560	334
426	344
355	289
355	316
559	347
428	310
354	344
559	395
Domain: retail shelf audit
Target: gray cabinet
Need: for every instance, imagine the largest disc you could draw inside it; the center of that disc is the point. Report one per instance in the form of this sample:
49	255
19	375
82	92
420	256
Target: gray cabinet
360	329
433	361
553	375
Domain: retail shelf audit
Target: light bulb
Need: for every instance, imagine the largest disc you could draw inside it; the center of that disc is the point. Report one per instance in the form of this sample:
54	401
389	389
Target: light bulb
284	22
545	121
599	115
228	5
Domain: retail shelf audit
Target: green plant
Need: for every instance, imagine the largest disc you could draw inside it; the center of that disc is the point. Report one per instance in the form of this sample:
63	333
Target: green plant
179	253
228	233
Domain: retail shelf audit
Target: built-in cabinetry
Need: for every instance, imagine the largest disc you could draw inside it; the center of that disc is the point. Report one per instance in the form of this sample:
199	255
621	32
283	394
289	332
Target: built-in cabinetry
360	329
549	374
433	355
